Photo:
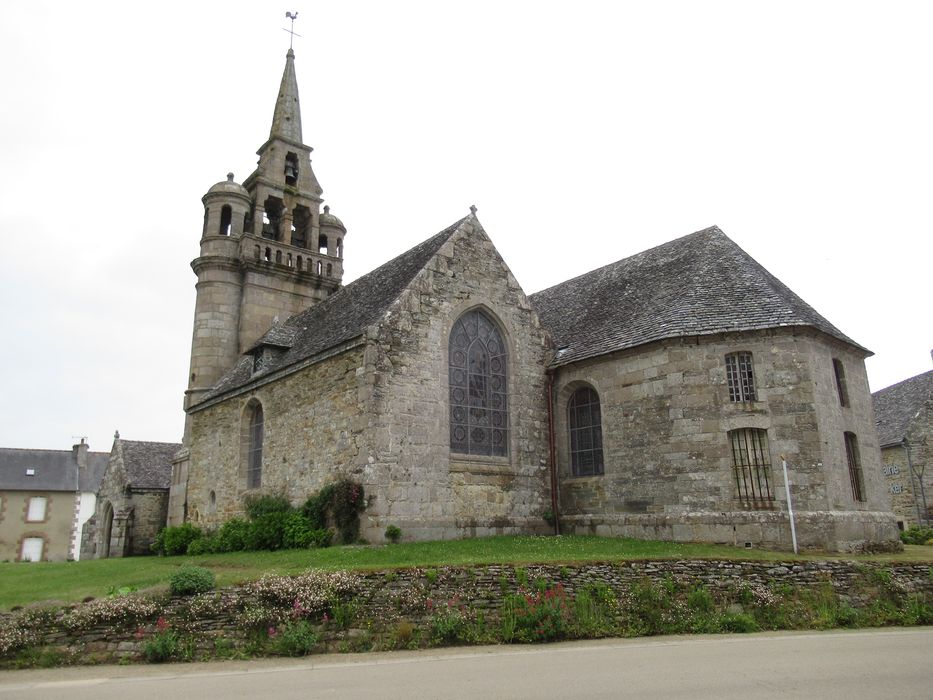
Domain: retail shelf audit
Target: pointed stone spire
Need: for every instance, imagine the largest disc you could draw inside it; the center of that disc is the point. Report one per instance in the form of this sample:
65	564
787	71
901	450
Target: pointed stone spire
286	122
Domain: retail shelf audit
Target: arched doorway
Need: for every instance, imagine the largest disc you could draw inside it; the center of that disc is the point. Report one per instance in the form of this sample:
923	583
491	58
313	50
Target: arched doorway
105	531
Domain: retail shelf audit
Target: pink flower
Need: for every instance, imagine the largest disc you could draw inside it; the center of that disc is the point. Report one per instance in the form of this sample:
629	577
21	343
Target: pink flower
161	624
429	604
272	631
140	633
325	618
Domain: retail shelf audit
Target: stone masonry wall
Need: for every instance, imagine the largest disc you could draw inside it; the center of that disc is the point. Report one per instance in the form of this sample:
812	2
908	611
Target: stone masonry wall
313	426
910	481
666	415
386	598
415	480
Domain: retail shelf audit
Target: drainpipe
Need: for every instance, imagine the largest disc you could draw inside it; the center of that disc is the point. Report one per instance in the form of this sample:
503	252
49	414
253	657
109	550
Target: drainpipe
551	450
910	467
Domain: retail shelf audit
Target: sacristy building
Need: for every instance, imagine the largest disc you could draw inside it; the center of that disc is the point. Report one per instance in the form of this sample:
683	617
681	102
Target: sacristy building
653	397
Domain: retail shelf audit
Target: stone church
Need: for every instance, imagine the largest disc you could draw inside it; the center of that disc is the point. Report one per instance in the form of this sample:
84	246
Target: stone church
655	397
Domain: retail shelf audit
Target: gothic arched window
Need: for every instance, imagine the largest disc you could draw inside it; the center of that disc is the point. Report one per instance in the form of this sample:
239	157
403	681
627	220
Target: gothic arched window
586	432
479	414
254	439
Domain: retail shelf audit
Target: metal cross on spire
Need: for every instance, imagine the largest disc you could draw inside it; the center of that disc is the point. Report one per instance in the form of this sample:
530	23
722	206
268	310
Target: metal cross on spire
292	16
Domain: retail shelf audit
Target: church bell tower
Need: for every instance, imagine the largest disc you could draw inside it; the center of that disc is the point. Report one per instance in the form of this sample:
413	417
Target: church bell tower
267	250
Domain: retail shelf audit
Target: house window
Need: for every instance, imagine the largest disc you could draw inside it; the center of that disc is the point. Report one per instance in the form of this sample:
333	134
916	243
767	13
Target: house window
751	465
840	373
855	467
740	377
32	549
586	433
479	418
36	511
254	450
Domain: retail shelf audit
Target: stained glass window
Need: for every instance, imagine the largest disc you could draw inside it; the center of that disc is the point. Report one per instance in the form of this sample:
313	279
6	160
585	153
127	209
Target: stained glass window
479	413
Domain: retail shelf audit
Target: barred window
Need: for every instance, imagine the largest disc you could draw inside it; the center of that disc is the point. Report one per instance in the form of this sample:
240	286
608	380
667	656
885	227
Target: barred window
751	463
254	454
855	467
479	419
740	377
840	373
586	433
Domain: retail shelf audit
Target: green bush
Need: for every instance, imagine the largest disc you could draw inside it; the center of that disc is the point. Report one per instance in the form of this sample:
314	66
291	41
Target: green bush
258	506
233	536
917	535
393	533
299	534
206	544
294	638
191	580
175	540
267	531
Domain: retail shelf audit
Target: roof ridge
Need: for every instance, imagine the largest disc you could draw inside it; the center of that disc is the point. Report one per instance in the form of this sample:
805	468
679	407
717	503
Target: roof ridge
46	449
709	229
914	378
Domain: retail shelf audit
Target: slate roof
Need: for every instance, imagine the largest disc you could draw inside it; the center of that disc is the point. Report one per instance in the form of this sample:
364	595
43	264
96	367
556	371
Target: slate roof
700	284
344	315
54	470
896	406
149	464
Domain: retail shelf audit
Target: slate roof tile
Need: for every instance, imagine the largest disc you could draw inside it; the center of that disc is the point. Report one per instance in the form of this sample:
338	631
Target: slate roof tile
55	470
700	284
896	406
149	464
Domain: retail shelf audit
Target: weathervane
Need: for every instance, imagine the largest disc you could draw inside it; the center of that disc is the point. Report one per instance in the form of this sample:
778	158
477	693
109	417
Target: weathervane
292	16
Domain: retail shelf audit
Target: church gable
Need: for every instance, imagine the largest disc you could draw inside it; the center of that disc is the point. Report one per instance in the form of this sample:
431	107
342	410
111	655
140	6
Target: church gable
423	471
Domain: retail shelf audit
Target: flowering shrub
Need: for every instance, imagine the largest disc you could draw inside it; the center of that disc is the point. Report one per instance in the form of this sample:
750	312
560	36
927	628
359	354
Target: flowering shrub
162	645
310	593
536	617
118	611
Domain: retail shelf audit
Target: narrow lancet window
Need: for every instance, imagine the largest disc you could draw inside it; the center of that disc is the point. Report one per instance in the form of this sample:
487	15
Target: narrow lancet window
740	377
586	433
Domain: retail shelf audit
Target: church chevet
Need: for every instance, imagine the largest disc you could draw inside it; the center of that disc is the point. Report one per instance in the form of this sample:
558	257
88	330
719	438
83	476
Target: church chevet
659	397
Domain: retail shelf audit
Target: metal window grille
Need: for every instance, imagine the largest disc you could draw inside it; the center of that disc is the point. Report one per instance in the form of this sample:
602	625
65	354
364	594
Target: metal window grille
840	373
855	467
586	433
479	419
740	376
254	460
751	460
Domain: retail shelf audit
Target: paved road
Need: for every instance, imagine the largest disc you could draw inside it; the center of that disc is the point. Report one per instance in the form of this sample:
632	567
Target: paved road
893	663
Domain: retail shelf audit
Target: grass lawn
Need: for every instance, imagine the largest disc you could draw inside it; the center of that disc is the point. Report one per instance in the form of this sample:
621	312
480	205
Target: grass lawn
23	583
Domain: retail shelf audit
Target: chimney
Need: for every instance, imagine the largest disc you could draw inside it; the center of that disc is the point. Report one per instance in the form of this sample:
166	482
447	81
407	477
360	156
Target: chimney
80	453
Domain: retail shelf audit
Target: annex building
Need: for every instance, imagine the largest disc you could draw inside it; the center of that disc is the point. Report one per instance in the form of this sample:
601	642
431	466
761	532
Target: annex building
653	397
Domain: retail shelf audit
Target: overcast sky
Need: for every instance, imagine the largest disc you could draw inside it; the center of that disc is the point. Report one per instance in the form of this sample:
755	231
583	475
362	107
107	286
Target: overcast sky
584	132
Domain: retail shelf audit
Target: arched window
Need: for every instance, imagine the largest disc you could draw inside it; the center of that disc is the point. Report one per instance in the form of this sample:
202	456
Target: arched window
479	417
840	371
254	448
586	432
226	217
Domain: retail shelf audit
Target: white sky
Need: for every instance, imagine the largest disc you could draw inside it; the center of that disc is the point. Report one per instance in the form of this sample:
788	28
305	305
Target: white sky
584	132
